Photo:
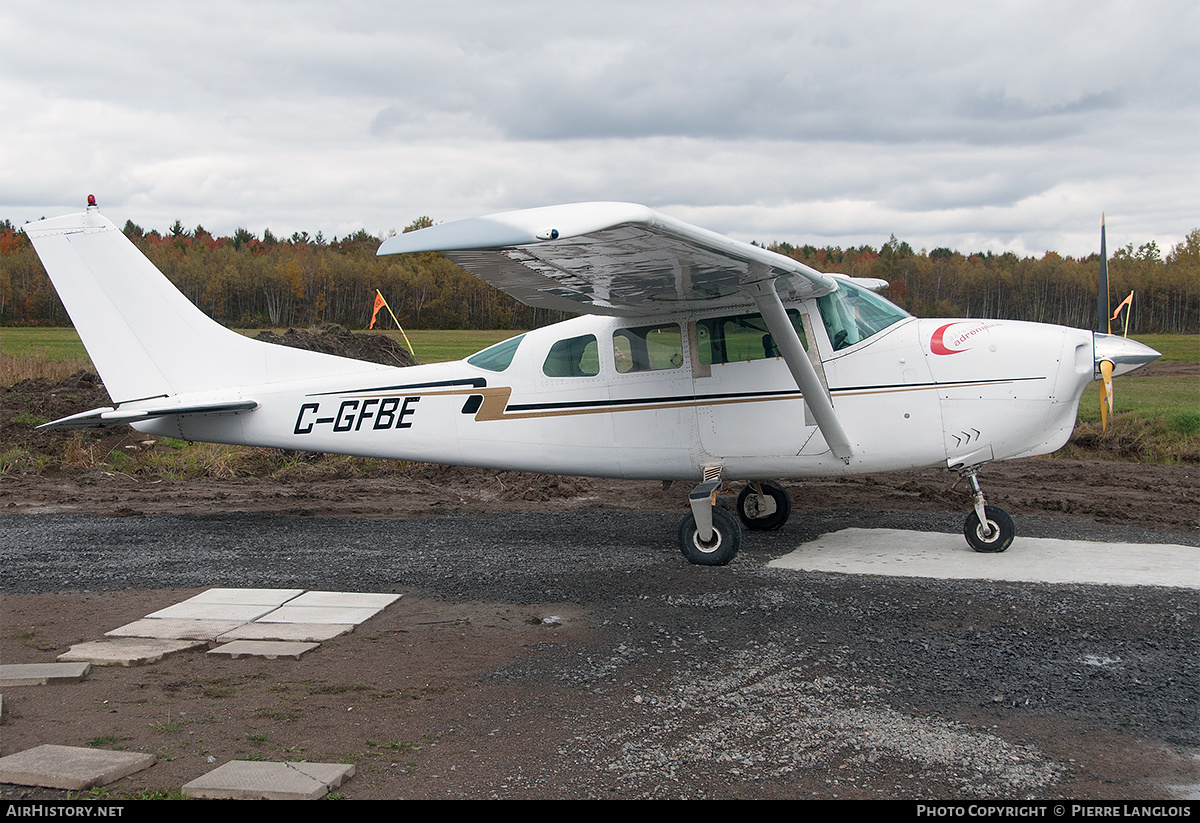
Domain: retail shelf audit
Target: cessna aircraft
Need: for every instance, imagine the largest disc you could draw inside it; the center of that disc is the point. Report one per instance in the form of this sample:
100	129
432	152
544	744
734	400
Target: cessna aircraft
697	358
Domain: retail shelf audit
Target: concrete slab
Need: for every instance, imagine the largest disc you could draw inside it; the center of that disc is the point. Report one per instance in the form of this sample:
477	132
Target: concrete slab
187	610
70	767
257	597
270	649
130	651
40	674
318	614
312	632
1029	559
254	780
353	600
166	629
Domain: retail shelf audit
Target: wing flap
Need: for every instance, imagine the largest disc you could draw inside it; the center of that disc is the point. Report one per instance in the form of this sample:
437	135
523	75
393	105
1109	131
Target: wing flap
611	258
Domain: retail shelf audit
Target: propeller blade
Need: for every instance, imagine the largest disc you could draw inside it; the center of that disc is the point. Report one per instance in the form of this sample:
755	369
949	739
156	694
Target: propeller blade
1103	321
1106	393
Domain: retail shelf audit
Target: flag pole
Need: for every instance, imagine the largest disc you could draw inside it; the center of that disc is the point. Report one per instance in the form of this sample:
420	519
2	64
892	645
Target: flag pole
380	298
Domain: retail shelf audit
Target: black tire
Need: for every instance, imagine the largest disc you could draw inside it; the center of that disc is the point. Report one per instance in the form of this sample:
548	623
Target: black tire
1001	527
726	540
747	507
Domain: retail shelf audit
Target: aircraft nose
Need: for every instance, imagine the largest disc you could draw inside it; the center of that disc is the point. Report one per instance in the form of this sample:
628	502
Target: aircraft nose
1125	354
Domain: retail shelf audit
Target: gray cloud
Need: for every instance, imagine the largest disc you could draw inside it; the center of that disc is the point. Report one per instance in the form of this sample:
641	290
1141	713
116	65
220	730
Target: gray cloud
946	124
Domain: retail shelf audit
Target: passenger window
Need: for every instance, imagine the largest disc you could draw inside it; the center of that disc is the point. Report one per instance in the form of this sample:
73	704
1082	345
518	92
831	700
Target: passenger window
648	348
574	357
497	357
740	337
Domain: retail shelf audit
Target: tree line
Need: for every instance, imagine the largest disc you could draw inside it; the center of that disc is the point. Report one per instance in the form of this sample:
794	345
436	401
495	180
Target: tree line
247	281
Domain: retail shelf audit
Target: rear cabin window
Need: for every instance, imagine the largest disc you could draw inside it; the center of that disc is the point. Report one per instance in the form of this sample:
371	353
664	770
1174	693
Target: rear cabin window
573	357
648	348
497	357
740	337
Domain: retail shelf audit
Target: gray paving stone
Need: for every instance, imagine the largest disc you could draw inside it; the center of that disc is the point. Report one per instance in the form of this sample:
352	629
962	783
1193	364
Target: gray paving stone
255	780
128	651
70	767
313	632
258	597
169	629
352	600
318	614
39	674
264	648
188	610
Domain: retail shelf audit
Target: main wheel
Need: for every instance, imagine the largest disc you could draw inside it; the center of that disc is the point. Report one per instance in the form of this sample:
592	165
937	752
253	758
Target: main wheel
720	549
750	508
999	524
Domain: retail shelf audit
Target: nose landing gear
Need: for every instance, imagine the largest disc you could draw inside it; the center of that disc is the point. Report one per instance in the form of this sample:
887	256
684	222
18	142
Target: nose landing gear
988	528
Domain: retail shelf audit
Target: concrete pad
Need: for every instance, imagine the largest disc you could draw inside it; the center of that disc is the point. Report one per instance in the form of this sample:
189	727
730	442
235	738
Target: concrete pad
269	649
132	651
256	597
1029	559
255	780
40	674
353	600
70	767
165	629
187	610
317	614
313	632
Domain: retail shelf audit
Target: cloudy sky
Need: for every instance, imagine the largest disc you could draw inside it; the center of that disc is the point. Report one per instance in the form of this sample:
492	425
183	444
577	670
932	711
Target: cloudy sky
1000	125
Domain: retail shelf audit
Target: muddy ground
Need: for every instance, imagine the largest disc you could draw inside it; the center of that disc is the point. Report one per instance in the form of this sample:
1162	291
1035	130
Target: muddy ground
552	643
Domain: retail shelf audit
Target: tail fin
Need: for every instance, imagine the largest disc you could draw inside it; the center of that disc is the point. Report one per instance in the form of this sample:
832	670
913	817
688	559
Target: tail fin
144	337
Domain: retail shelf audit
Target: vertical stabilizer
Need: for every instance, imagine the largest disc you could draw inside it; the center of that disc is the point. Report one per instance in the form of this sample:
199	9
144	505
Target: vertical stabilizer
144	337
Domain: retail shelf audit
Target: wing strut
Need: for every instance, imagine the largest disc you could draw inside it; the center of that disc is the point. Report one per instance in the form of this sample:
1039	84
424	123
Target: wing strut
771	308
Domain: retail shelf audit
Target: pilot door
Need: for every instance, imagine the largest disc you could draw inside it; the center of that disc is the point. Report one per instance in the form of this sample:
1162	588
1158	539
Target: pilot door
748	404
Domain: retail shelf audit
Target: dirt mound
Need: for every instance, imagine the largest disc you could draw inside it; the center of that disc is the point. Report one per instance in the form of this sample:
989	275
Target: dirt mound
331	338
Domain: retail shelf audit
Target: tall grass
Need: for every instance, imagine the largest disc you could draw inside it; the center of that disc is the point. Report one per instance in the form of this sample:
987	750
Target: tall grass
15	368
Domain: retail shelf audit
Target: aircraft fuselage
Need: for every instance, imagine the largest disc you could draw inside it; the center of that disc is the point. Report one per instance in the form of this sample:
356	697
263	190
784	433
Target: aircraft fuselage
918	393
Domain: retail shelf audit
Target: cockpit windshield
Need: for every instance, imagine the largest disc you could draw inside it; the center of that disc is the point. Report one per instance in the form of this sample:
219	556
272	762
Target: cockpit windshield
852	314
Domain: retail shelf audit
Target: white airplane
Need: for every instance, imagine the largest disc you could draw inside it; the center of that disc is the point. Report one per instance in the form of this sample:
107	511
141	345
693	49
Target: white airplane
698	358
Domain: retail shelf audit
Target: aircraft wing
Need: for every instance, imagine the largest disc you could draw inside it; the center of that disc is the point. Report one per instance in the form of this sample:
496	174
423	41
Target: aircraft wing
612	259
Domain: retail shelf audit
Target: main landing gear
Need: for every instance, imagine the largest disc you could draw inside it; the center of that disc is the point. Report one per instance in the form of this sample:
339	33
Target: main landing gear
711	536
988	528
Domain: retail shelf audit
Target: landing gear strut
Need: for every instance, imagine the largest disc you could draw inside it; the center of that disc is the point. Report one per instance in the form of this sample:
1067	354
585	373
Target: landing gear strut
988	528
711	536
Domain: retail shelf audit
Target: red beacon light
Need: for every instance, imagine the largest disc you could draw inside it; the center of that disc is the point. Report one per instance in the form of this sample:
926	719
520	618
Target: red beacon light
91	201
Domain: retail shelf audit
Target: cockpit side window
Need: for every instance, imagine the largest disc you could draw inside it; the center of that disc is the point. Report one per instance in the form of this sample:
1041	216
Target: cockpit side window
573	357
648	348
497	357
740	337
852	314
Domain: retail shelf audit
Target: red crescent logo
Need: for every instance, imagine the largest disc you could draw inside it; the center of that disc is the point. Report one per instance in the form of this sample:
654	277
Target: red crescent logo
937	346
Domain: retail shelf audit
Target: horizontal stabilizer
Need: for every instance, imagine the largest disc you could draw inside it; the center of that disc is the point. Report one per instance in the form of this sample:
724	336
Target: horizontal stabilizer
107	416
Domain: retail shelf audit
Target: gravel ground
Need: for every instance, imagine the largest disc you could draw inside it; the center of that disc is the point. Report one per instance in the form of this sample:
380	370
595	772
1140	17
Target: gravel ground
574	654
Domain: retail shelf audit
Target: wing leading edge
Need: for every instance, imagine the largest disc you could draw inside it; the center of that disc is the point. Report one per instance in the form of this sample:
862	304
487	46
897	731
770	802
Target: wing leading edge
612	259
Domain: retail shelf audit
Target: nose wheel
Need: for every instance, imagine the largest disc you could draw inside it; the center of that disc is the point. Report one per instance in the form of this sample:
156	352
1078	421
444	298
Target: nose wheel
988	528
